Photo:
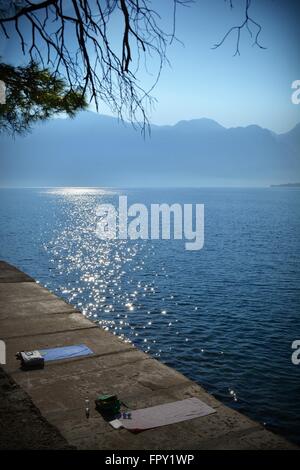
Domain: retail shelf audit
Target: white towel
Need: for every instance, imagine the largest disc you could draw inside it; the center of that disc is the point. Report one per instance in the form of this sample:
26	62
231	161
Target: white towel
168	413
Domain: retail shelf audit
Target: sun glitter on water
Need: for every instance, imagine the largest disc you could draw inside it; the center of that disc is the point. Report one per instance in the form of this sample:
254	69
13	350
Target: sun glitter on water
80	191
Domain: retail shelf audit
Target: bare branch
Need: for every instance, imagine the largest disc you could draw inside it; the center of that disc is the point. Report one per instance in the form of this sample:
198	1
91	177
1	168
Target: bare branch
78	48
246	23
73	39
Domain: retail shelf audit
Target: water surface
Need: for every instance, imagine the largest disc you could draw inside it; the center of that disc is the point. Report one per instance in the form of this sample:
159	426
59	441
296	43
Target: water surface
225	316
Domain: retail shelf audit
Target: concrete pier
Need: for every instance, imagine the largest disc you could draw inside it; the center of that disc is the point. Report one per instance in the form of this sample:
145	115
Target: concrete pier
31	317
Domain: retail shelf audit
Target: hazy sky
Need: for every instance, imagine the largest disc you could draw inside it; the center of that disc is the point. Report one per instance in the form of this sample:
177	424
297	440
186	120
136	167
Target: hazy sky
253	88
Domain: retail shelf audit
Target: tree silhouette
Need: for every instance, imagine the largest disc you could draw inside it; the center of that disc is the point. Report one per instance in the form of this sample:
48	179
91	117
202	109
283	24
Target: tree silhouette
247	23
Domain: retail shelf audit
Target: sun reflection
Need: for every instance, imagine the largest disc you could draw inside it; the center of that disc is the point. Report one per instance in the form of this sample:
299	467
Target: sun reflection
112	282
80	191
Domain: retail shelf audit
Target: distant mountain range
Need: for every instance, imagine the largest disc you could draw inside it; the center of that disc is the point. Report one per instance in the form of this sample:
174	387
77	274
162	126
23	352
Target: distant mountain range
286	185
97	150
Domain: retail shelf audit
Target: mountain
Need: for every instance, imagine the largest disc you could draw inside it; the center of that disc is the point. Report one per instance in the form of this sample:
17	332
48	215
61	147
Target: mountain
291	138
97	150
286	185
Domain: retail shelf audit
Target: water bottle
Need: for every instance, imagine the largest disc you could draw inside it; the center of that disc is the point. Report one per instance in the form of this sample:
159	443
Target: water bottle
87	408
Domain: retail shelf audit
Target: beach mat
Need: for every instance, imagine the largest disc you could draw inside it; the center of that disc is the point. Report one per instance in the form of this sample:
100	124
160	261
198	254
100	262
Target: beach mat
168	413
65	352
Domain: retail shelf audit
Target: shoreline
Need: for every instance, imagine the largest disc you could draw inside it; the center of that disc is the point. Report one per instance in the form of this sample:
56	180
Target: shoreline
31	317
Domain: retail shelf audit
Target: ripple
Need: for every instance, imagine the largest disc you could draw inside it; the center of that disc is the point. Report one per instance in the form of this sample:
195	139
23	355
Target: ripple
224	316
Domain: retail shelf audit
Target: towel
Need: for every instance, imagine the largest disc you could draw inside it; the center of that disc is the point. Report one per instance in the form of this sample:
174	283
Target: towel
65	352
168	413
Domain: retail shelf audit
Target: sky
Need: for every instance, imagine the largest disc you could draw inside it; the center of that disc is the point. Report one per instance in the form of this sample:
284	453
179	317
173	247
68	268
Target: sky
253	88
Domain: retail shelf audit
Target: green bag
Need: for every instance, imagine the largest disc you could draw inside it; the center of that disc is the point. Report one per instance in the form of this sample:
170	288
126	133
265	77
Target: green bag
108	403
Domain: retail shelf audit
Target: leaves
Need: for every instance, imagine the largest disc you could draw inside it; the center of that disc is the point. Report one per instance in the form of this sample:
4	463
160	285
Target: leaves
34	94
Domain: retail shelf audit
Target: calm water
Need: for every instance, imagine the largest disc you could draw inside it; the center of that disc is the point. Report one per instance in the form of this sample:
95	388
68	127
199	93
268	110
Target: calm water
225	316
